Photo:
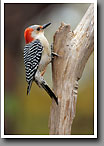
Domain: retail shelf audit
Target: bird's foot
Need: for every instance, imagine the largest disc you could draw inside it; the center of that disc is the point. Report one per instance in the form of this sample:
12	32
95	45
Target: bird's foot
42	73
53	54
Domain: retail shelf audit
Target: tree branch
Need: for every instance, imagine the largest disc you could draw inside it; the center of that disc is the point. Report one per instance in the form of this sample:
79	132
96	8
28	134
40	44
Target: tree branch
74	49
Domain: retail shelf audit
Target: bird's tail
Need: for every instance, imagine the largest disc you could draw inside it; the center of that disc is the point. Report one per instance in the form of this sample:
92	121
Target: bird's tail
49	91
29	87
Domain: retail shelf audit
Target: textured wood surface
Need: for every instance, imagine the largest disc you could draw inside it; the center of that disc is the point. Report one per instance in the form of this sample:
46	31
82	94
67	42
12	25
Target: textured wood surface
74	49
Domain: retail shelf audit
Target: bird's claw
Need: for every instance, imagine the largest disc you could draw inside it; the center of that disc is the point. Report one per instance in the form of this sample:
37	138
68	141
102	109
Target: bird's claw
55	54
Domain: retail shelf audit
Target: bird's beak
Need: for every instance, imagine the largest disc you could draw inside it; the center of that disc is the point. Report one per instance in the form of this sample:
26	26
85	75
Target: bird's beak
46	25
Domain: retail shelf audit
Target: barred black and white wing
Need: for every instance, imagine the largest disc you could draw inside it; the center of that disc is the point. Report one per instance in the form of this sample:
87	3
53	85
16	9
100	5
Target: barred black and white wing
32	57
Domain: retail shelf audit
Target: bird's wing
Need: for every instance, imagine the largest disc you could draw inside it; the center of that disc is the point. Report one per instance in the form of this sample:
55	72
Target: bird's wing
32	57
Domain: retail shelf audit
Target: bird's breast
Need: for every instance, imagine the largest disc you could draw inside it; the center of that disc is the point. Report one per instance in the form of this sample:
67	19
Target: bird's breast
46	54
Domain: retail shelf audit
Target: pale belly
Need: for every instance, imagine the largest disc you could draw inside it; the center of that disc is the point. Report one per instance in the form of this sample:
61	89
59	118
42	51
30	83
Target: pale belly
45	60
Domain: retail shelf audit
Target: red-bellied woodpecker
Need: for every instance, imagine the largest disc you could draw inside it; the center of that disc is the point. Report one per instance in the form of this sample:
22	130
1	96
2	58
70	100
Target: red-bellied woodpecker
37	55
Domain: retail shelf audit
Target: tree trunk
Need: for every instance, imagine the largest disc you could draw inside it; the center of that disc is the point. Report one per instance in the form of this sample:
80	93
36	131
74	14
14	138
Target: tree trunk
74	49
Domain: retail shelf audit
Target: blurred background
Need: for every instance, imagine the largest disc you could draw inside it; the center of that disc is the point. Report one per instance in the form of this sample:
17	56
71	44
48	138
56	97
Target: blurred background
29	114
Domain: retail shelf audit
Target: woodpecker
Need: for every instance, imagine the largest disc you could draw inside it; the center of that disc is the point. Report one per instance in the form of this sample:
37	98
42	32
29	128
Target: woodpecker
37	55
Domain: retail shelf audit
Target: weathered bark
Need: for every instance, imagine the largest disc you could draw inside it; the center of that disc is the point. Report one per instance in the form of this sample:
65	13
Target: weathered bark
74	49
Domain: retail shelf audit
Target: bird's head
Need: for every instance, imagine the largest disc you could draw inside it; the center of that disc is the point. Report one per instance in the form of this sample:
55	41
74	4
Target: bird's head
33	31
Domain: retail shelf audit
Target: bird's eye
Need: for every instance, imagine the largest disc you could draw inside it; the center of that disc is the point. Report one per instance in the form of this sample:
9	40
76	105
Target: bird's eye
38	28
